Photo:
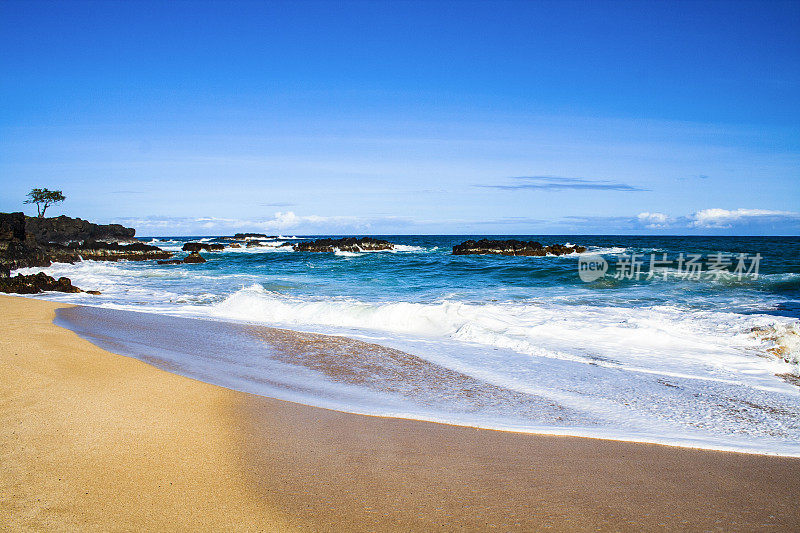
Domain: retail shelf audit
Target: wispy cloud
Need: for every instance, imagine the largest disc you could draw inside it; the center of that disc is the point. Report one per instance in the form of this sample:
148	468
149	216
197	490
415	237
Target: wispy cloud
277	204
511	220
712	219
725	218
705	221
280	221
556	183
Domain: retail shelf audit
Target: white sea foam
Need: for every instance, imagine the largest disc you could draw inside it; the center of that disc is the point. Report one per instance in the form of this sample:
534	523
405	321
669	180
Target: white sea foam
409	248
663	339
613	250
658	373
397	248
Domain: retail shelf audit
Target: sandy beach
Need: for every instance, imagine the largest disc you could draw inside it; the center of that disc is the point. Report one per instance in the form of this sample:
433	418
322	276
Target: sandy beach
91	440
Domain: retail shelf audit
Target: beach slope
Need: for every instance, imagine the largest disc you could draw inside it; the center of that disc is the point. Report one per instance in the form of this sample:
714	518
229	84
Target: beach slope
95	441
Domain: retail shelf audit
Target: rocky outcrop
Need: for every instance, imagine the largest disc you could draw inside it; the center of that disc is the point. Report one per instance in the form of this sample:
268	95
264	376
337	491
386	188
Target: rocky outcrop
34	283
253	244
19	247
347	244
242	236
513	247
200	247
235	245
65	230
104	251
194	257
12	226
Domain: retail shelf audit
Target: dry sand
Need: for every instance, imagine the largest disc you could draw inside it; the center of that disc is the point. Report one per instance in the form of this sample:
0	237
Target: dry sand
94	441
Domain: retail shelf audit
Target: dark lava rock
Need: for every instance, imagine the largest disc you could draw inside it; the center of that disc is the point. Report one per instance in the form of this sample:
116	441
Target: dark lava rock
33	283
347	244
66	230
253	244
194	257
105	251
513	247
12	226
18	249
235	245
199	247
21	247
19	254
242	236
94	293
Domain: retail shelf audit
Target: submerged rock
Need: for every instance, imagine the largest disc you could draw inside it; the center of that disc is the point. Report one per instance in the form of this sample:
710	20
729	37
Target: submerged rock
513	247
105	251
242	236
194	257
347	244
34	283
235	245
199	246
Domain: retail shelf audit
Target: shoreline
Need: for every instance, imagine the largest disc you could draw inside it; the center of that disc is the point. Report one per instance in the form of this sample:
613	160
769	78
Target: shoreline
122	430
148	337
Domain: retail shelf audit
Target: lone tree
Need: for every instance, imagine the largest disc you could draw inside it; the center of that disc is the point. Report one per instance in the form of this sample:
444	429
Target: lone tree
44	198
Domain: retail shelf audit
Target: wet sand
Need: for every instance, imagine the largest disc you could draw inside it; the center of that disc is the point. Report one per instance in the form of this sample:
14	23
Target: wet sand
97	441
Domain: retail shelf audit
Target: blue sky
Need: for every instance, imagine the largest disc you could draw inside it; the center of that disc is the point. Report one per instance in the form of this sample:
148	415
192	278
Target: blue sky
406	117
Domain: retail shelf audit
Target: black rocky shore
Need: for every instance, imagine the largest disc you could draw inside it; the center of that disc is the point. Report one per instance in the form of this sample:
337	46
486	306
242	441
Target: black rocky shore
243	236
201	246
346	244
35	283
513	247
39	242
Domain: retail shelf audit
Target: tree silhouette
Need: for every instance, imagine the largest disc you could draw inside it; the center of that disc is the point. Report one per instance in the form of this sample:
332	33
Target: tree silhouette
44	198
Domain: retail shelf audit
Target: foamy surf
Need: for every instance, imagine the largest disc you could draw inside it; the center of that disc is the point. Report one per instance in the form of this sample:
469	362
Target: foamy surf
362	377
707	363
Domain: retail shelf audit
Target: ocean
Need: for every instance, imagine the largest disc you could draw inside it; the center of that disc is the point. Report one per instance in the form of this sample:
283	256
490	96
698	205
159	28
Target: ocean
701	350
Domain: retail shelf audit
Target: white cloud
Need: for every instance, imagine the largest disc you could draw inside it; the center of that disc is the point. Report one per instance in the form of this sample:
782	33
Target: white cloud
289	220
654	220
724	218
280	221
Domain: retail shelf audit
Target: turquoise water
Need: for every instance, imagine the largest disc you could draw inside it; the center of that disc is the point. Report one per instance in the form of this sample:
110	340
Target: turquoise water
703	362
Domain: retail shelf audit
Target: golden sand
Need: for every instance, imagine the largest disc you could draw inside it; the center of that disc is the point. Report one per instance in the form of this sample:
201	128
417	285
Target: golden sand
95	441
92	440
